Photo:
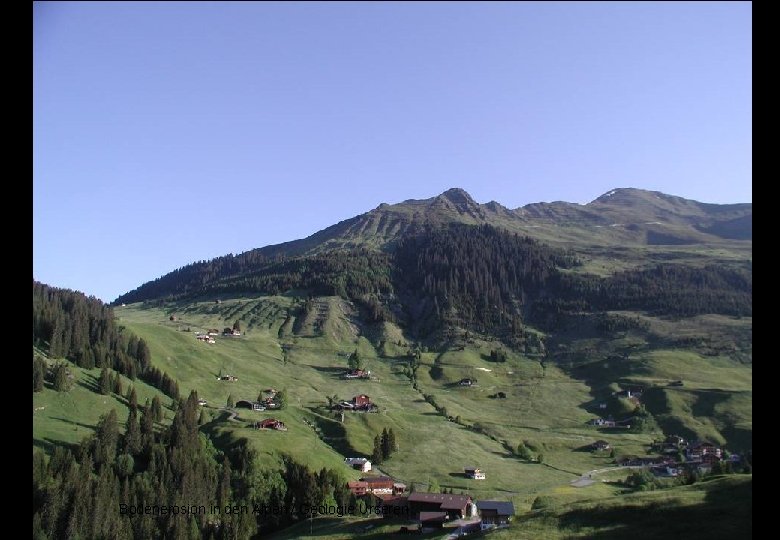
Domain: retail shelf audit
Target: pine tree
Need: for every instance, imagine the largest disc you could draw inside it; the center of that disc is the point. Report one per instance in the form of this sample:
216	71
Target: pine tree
376	456
131	442
391	442
105	382
156	409
62	382
118	384
39	373
230	403
355	361
281	399
385	445
132	398
237	326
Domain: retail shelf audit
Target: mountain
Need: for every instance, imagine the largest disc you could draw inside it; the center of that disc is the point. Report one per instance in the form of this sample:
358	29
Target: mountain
618	220
619	216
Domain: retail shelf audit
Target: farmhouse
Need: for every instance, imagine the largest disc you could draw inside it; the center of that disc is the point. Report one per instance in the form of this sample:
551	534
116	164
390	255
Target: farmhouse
227	378
361	464
246	404
357	488
454	506
357	374
361	400
474	473
379	485
359	403
495	513
202	402
467	382
271	423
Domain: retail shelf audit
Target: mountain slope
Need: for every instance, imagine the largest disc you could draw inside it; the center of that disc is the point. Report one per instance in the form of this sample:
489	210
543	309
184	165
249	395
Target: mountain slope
620	218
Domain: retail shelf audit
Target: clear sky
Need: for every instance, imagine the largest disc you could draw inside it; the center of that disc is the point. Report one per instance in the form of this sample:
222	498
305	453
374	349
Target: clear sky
166	133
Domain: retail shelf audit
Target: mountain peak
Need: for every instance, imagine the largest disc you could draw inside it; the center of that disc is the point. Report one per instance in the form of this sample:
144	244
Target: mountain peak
457	196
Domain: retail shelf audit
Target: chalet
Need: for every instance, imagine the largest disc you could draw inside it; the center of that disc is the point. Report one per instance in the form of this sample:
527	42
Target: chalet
361	401
227	378
357	374
271	423
474	473
601	422
600	445
699	449
467	382
246	404
454	506
495	513
202	402
674	440
357	488
379	485
358	403
361	464
213	332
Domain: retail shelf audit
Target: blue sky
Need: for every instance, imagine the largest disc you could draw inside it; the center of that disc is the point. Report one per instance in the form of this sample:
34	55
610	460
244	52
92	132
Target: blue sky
166	133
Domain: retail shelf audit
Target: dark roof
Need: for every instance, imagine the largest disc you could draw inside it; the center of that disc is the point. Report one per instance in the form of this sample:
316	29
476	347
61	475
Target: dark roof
444	498
502	508
433	516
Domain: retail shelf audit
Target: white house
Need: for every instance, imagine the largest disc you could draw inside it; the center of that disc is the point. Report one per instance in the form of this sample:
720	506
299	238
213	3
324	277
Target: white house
361	464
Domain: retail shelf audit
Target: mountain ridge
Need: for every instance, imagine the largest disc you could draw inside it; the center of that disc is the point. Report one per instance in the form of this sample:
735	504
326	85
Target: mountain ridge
622	217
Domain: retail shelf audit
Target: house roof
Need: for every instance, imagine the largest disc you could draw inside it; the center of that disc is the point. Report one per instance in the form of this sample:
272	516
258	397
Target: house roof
353	484
355	460
502	508
377	479
448	501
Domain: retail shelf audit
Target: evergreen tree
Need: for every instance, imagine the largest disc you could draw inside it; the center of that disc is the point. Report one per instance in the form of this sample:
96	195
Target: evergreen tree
118	384
106	438
237	326
62	378
281	398
39	373
230	403
156	409
376	455
132	398
132	441
105	382
355	361
391	442
144	355
385	445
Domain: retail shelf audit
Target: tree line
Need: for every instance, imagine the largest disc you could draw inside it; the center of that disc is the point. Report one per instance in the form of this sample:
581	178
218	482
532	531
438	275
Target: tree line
77	493
68	324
